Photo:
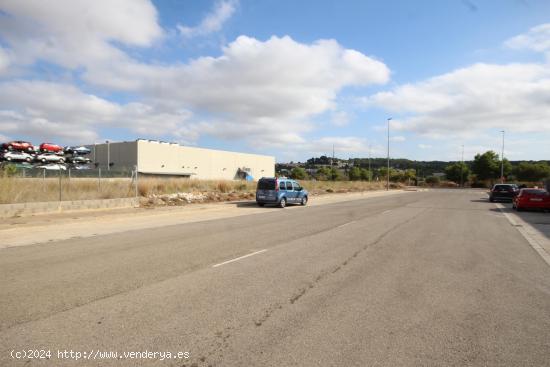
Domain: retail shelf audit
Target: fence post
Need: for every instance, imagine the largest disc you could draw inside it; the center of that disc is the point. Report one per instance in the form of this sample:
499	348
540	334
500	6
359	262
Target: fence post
136	168
99	180
60	197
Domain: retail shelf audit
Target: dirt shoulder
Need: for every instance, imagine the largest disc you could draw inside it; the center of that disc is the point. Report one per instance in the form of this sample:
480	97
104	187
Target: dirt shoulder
47	228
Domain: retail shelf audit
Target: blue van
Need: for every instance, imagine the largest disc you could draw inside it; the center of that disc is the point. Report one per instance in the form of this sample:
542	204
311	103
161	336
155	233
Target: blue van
280	191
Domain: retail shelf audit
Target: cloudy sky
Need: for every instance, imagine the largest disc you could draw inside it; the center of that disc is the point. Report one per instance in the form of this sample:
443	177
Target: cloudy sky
281	77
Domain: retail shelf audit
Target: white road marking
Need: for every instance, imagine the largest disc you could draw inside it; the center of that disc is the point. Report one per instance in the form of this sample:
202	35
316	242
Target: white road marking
345	224
239	258
530	233
385	212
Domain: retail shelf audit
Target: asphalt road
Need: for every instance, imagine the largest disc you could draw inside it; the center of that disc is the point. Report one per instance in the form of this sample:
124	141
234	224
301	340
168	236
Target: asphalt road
435	278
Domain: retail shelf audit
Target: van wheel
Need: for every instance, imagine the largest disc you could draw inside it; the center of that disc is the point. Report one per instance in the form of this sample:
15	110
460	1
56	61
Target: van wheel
261	204
304	201
282	204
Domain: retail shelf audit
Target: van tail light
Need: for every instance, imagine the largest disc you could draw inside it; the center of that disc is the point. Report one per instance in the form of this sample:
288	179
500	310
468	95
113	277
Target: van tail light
276	186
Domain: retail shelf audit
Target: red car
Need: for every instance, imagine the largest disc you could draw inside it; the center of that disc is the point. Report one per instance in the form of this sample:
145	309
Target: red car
19	145
49	147
532	199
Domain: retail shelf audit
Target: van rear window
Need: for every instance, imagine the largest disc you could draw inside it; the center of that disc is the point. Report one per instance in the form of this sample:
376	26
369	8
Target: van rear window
266	185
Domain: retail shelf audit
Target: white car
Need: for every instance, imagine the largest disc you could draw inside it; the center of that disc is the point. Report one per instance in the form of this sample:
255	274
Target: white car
50	158
53	167
15	156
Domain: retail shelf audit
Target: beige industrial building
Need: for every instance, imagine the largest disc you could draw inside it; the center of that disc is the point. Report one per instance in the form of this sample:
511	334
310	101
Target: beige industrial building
171	159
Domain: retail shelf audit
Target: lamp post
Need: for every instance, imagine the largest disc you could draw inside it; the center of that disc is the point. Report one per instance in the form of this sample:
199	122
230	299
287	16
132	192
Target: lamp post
502	160
388	173
108	155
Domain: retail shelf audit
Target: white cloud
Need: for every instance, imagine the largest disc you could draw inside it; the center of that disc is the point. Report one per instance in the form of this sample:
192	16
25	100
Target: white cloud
254	89
536	39
264	92
398	138
424	146
213	22
75	33
340	118
467	101
4	60
60	111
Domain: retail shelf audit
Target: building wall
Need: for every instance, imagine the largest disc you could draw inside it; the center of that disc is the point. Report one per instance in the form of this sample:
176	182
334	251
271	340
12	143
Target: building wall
122	155
173	159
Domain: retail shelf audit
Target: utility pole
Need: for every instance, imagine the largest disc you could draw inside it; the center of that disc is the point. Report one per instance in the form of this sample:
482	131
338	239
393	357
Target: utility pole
108	155
388	173
502	160
370	174
462	168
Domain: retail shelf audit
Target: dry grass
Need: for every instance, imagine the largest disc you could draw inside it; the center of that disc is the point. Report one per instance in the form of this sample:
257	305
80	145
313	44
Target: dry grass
20	190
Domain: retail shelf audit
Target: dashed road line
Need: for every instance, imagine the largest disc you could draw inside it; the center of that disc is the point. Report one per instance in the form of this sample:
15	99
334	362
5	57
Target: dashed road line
345	224
239	258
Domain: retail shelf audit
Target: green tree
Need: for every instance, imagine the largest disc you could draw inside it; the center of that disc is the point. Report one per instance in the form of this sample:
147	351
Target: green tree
366	175
298	173
9	170
532	172
354	174
457	172
486	166
334	174
322	174
432	180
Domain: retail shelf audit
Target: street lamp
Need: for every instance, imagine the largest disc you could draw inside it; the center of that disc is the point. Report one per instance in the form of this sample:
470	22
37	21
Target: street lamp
108	155
502	160
388	173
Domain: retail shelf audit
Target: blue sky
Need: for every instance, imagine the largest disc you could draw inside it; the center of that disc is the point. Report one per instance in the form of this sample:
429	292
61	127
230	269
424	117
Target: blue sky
285	78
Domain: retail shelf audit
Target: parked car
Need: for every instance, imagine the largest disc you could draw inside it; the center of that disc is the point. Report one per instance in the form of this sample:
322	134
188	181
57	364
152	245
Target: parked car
79	160
50	158
77	150
16	156
280	191
22	146
532	199
53	167
49	147
505	192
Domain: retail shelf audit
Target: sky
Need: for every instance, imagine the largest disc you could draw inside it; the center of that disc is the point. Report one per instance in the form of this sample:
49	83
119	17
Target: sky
281	77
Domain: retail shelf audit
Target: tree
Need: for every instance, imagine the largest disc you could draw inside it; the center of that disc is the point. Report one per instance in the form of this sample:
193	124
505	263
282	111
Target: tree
354	174
323	173
432	180
334	174
532	171
457	172
486	166
366	175
298	173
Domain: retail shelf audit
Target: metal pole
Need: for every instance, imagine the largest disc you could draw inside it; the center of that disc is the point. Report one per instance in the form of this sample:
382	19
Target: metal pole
60	184
108	155
99	179
462	168
388	173
502	160
136	167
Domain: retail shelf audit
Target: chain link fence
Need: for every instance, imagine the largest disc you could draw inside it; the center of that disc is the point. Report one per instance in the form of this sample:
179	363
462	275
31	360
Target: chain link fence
22	183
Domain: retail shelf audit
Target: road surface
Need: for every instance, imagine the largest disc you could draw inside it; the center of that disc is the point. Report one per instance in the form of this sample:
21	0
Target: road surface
437	278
